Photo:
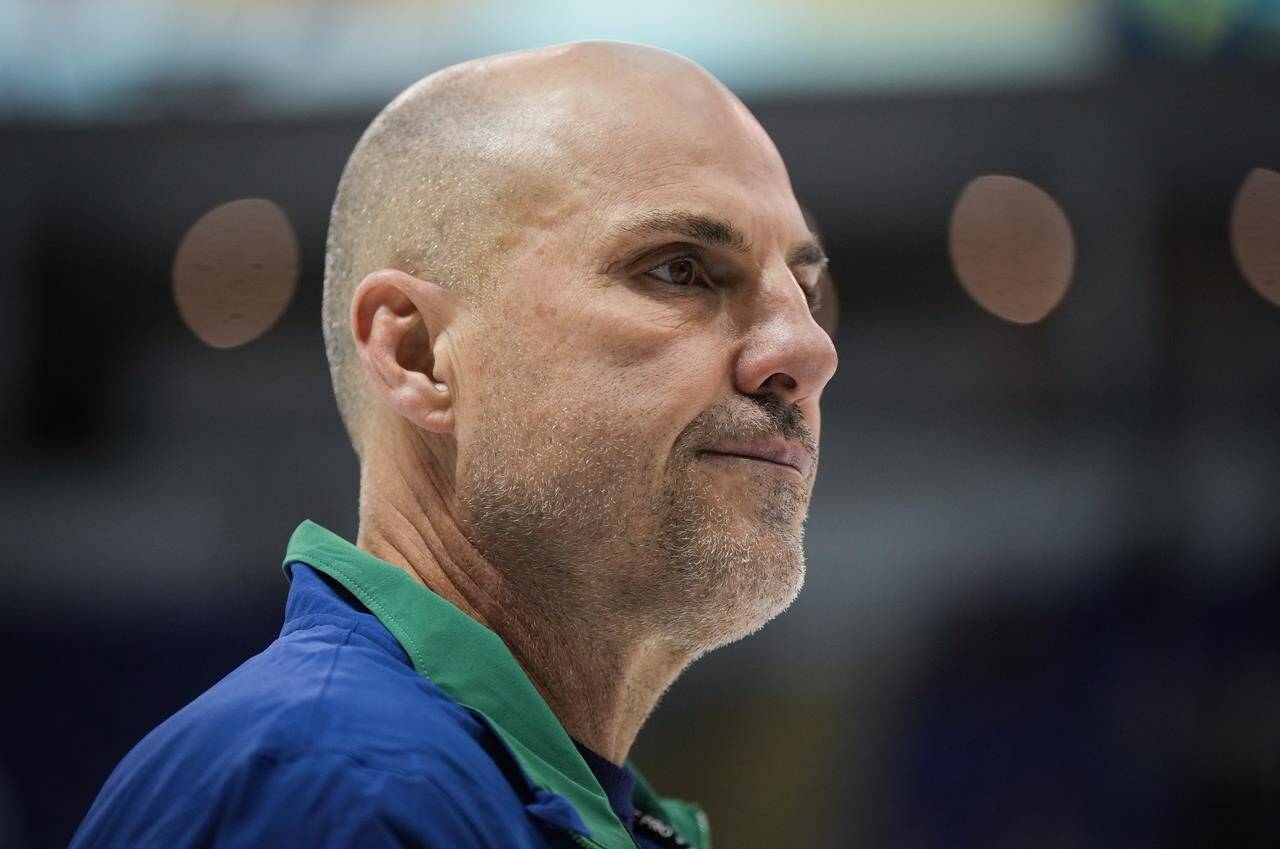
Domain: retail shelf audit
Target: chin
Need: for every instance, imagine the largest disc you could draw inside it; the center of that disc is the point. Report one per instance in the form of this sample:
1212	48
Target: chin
760	604
732	560
734	589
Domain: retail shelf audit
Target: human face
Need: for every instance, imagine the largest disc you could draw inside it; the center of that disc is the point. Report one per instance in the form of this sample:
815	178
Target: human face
642	435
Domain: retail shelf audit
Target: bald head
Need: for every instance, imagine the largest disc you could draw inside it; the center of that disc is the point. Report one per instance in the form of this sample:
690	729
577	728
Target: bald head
452	177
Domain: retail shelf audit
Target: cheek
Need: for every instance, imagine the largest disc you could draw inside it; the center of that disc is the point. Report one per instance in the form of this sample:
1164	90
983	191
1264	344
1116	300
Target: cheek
610	364
659	350
660	380
677	336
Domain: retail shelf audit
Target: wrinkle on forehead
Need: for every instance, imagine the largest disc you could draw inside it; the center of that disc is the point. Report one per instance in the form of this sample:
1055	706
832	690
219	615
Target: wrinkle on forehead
679	171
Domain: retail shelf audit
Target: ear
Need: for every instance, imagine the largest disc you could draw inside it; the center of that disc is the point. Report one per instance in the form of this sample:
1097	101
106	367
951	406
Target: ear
399	323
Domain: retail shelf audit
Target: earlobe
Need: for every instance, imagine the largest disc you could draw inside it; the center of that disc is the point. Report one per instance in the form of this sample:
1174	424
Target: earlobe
398	325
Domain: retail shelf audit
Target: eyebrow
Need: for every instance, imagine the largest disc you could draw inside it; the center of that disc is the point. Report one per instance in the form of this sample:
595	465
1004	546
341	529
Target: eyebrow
716	233
808	252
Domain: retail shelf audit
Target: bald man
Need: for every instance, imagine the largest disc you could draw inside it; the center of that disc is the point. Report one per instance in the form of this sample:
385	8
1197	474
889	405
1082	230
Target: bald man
568	314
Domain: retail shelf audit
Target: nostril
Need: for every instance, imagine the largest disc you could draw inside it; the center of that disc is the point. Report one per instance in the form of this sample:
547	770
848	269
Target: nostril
782	380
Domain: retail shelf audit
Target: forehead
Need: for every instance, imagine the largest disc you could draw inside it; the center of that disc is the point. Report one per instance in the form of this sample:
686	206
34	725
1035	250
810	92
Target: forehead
603	147
713	162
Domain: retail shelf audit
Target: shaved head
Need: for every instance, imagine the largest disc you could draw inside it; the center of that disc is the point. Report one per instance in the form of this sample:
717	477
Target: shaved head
454	173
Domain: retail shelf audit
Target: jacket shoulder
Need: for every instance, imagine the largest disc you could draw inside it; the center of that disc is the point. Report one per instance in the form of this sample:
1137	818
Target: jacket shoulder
329	721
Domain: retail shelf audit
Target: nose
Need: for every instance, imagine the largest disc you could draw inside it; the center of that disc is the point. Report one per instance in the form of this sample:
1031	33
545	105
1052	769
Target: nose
787	353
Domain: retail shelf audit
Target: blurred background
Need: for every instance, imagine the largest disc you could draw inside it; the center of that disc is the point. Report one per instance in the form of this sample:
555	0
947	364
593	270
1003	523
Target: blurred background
1044	560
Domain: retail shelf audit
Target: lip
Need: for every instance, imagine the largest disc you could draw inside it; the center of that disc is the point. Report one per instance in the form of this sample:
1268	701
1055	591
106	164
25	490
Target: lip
774	450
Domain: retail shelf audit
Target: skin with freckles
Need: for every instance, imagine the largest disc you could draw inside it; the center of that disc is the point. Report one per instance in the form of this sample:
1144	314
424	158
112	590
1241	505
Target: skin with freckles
605	453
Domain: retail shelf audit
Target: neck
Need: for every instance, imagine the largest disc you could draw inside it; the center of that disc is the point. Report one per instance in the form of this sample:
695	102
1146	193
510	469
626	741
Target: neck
599	676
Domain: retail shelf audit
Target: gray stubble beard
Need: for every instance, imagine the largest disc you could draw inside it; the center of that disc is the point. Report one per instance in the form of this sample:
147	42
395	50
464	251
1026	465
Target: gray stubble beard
681	568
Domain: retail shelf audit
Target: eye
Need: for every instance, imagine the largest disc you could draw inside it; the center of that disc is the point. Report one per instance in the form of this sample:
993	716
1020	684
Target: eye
812	294
683	272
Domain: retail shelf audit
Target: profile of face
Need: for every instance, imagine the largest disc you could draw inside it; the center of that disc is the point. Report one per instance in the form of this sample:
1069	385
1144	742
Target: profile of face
635	406
584	325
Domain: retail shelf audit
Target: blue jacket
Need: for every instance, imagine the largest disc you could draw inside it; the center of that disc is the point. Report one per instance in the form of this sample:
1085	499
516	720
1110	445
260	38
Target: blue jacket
383	717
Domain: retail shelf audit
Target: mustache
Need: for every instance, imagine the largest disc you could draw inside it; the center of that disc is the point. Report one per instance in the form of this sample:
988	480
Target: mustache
750	418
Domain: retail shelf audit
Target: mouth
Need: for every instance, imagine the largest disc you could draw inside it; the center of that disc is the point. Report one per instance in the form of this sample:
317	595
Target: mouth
775	452
780	466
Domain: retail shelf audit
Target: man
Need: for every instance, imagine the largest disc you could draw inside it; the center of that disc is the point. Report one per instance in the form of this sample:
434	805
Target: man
568	317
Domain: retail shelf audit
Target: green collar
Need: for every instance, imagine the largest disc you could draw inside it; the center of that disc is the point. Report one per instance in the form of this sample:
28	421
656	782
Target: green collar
475	668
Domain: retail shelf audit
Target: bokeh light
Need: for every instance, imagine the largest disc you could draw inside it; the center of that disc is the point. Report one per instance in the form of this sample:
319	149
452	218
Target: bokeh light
1012	248
235	272
1255	232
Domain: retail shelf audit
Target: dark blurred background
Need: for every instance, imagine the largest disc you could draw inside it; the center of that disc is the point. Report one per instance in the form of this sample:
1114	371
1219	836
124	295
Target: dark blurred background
1044	560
